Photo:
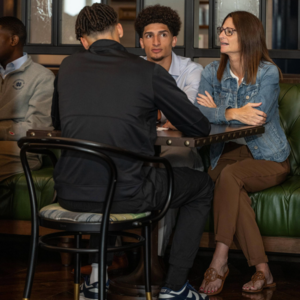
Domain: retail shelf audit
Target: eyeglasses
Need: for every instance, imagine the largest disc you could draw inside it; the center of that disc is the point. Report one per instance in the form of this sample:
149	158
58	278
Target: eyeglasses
228	31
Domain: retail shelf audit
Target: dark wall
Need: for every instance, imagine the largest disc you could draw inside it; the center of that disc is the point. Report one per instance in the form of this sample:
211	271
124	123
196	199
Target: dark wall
1	8
285	32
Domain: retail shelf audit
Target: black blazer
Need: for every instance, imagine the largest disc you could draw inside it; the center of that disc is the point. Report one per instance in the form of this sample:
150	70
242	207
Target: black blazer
110	96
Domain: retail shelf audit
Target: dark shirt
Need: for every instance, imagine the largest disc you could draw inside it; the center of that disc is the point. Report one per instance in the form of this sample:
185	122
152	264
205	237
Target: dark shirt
110	96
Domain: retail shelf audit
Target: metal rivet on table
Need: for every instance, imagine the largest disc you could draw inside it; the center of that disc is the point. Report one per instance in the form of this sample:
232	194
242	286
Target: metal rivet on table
255	147
32	134
49	134
186	143
169	142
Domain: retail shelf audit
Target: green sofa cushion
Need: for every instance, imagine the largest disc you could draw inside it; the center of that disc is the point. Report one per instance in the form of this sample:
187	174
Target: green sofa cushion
289	110
277	209
15	203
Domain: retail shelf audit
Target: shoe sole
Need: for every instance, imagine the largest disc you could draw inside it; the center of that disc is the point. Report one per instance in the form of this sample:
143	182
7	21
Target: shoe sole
267	286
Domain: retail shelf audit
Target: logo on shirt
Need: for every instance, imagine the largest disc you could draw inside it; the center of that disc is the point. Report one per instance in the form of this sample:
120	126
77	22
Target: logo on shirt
18	84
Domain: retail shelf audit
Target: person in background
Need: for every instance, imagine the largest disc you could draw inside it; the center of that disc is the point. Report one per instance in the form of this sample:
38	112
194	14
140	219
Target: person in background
242	88
158	27
108	95
26	90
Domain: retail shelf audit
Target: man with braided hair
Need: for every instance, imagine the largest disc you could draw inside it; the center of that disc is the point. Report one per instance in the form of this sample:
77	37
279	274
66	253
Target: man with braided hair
158	27
110	96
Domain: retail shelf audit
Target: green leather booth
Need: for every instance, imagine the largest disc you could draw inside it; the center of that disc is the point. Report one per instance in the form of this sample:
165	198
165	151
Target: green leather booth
14	197
277	209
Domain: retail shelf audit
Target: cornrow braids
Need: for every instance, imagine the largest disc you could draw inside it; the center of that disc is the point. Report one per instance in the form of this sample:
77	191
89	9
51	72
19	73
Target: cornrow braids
158	14
96	18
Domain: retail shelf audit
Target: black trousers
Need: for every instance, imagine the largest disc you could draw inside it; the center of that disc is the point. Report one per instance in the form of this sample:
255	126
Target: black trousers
193	194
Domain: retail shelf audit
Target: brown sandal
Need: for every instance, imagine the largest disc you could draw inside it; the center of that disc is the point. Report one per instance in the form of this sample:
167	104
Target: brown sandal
212	275
259	275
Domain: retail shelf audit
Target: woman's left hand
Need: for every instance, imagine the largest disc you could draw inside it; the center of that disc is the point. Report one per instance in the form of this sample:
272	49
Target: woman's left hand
206	101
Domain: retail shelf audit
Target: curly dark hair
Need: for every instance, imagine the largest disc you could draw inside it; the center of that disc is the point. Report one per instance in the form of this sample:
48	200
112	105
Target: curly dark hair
96	18
158	14
15	26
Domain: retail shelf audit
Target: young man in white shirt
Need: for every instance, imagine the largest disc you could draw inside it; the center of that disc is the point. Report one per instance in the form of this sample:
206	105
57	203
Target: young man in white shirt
158	27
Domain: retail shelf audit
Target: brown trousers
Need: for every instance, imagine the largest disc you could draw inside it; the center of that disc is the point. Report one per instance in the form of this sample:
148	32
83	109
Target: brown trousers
236	174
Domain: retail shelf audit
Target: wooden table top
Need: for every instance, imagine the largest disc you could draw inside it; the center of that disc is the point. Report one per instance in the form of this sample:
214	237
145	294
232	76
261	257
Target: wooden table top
217	134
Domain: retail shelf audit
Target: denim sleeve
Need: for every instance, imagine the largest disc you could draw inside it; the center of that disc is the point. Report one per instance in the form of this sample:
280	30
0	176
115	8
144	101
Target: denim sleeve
214	115
269	91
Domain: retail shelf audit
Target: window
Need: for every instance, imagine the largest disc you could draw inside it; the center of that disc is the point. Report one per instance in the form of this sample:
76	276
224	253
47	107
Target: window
50	25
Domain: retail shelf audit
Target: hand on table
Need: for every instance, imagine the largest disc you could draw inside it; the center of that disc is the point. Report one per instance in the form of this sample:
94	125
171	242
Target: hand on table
247	114
169	125
206	101
158	115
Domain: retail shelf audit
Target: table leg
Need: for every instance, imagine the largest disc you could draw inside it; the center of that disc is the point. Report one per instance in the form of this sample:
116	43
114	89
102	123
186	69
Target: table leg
132	286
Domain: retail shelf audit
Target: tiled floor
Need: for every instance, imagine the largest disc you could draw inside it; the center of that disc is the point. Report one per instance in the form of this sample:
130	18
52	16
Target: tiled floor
53	281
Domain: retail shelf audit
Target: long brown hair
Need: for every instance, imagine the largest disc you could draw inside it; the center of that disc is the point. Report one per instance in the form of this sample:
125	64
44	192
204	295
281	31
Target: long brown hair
251	37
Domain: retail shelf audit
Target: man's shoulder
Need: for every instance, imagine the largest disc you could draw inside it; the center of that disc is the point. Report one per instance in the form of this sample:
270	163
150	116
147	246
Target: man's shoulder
211	68
187	63
72	58
130	58
41	70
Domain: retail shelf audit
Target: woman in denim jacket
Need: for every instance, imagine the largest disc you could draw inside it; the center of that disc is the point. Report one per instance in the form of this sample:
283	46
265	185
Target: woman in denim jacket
242	88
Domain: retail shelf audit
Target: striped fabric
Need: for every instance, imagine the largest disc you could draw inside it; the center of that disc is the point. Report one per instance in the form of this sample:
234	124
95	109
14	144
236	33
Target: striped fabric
56	212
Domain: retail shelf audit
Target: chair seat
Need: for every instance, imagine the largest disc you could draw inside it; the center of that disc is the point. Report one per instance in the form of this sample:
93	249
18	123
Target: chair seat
56	212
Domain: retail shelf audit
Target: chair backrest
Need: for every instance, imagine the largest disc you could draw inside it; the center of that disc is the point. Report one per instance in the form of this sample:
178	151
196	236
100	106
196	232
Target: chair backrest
102	151
289	111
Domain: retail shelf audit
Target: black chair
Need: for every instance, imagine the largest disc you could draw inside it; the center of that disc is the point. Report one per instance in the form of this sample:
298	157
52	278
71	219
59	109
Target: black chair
104	226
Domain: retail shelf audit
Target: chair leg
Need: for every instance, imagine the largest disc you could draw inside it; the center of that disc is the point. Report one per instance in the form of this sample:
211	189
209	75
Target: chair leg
147	260
102	267
32	260
77	268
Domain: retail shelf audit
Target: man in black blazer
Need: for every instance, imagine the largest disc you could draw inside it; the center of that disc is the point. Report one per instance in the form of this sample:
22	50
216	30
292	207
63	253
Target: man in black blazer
110	96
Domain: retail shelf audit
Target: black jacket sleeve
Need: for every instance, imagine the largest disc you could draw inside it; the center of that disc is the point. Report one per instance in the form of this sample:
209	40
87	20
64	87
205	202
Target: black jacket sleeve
174	103
55	107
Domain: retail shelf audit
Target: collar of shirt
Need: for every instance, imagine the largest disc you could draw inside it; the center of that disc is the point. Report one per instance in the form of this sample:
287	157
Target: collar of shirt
175	65
14	65
236	77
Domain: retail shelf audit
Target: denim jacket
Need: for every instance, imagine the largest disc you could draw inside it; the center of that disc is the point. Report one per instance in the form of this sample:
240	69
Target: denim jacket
271	145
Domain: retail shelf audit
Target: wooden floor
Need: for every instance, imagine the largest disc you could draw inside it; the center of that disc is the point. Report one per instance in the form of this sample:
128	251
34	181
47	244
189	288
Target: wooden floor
53	281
